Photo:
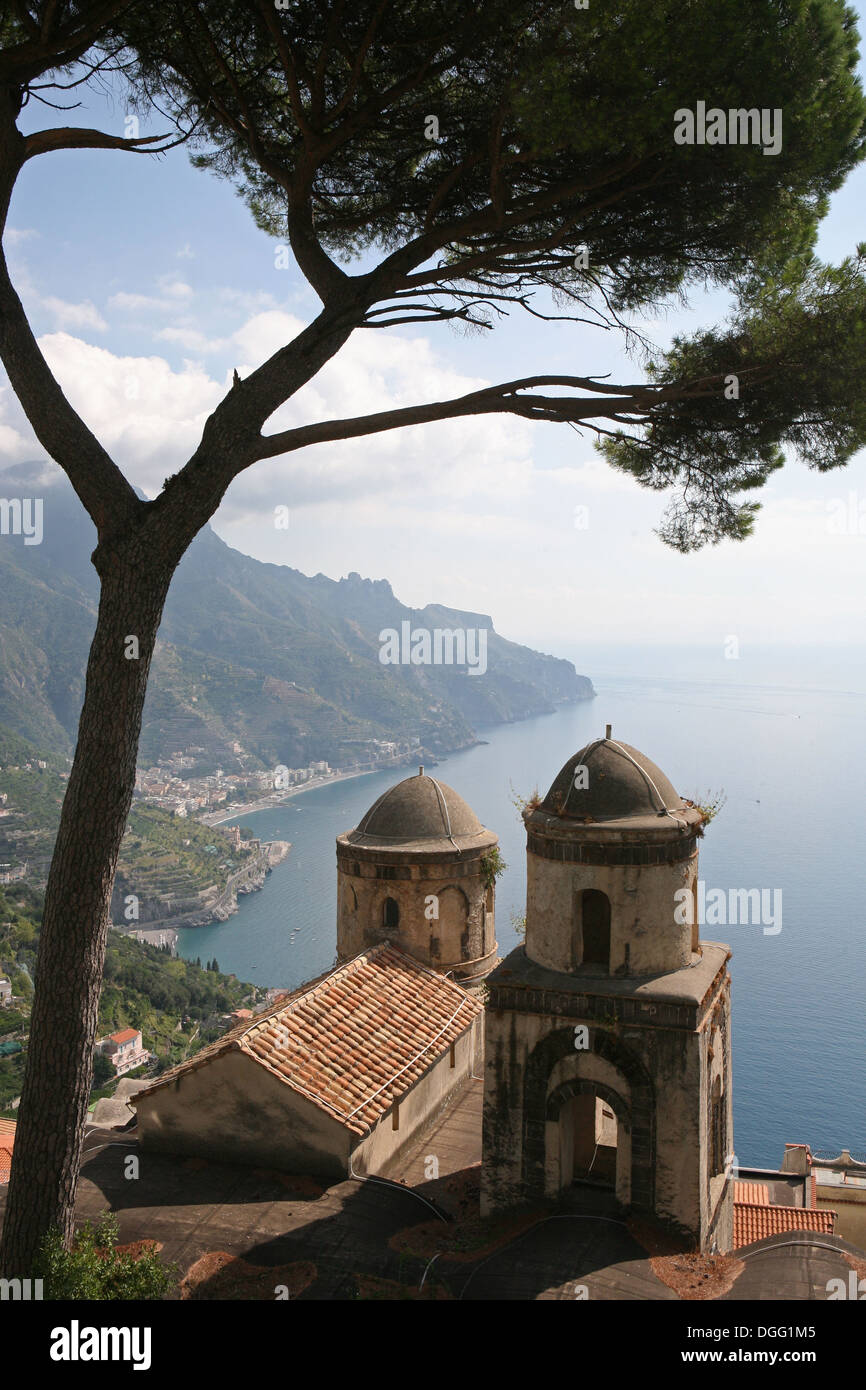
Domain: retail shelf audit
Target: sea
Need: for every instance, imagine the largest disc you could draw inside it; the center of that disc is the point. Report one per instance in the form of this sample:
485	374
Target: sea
780	736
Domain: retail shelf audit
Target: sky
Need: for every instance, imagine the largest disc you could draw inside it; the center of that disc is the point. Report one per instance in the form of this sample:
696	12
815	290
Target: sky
147	283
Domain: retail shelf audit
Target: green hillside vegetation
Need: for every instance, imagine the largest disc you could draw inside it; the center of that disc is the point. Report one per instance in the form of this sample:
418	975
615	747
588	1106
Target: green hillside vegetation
178	1006
162	857
166	856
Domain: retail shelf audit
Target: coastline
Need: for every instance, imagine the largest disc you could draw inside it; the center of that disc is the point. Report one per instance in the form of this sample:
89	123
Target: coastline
270	803
163	931
166	932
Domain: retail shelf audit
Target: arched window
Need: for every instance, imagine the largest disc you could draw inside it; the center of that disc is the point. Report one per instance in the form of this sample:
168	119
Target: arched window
595	917
391	913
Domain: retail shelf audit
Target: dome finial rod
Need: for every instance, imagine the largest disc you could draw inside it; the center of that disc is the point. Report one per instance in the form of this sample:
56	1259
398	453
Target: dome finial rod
421	772
607	729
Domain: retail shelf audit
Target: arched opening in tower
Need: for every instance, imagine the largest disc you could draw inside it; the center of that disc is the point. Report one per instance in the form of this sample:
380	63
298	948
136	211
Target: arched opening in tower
588	1142
595	918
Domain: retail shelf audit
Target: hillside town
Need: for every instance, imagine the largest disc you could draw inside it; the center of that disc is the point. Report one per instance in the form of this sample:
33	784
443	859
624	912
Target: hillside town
174	786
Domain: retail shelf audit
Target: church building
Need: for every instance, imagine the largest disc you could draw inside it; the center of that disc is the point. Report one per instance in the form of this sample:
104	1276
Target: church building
419	871
607	1042
607	1034
339	1076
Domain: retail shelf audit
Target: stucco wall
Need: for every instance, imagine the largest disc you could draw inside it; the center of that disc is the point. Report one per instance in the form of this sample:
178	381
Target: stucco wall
235	1110
664	1064
378	1151
643	931
850	1207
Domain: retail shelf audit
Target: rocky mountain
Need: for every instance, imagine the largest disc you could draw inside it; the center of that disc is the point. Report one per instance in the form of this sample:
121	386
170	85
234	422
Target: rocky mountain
255	654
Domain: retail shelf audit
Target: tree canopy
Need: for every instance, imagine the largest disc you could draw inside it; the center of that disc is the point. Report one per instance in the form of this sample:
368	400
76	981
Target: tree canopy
554	183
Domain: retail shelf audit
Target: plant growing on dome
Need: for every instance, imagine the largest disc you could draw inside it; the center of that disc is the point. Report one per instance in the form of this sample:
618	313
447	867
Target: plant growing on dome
709	805
525	804
492	865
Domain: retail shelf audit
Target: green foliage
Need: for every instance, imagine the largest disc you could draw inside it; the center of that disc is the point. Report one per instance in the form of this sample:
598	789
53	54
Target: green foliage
709	805
531	99
22	985
11	1081
142	988
556	132
796	347
524	803
93	1269
492	865
103	1071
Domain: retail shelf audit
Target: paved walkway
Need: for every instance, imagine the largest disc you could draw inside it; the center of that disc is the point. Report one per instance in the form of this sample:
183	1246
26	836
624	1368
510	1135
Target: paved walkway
453	1140
194	1207
567	1257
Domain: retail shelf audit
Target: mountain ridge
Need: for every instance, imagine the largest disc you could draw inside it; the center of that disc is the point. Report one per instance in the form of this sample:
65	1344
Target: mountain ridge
249	653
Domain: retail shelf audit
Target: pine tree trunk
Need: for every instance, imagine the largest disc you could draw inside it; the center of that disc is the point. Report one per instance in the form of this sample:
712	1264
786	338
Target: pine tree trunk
63	1026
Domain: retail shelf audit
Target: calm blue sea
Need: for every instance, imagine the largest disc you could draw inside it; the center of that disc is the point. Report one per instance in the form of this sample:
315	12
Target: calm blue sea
784	737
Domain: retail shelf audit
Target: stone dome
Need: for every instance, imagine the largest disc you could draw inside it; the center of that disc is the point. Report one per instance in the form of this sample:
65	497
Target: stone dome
621	784
419	810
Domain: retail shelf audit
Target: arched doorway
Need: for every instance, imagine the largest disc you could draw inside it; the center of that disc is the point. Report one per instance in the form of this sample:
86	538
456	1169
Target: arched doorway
588	1141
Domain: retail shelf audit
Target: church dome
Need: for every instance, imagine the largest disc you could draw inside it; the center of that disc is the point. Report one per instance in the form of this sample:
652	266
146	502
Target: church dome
619	783
420	809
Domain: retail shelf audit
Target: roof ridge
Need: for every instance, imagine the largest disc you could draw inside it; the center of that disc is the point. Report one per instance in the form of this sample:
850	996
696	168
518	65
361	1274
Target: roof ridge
783	1206
355	1055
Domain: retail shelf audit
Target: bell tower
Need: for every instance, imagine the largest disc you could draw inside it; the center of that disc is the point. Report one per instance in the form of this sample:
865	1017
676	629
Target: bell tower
419	871
608	1054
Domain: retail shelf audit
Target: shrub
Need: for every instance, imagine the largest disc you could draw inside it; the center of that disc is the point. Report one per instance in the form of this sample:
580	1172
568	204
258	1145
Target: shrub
95	1269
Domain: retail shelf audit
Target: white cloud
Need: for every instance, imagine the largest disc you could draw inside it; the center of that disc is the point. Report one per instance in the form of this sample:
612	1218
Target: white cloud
83	315
15	235
192	339
175	289
123	300
251	303
172	293
148	416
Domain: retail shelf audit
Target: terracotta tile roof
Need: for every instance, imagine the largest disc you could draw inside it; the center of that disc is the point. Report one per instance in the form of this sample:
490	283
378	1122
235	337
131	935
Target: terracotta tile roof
125	1035
355	1040
756	1221
752	1192
7	1143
